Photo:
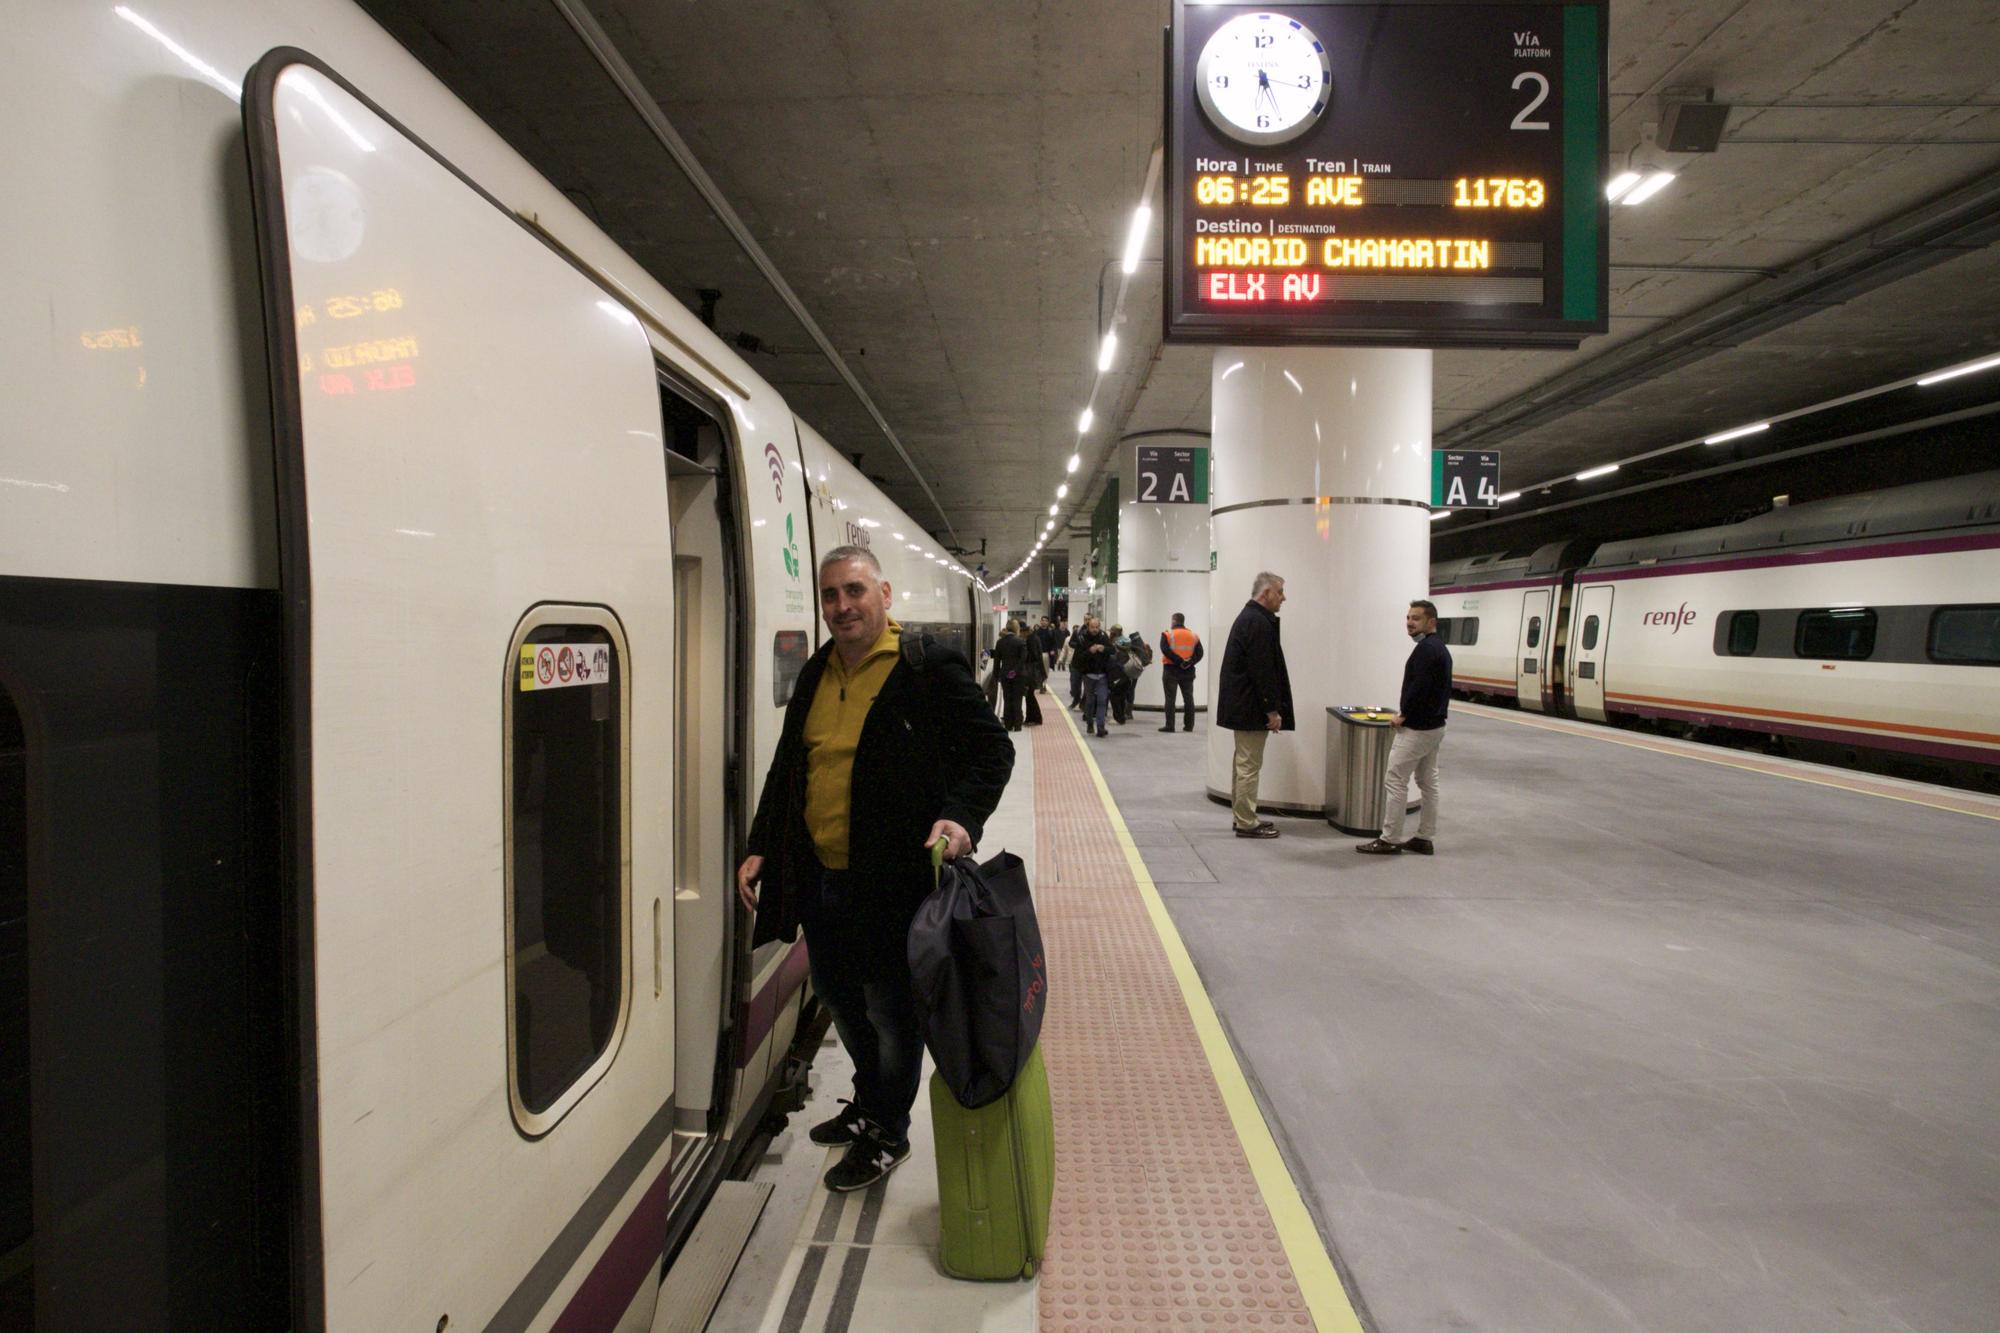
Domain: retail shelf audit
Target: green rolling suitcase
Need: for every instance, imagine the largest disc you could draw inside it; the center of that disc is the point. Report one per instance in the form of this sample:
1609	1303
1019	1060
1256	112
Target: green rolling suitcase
996	1175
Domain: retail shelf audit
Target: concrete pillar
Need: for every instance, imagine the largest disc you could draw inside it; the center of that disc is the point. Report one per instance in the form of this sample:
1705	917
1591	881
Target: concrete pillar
1163	566
1322	475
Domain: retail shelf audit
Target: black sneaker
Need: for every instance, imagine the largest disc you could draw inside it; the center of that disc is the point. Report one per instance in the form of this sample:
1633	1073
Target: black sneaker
1421	846
1168	730
869	1158
843	1128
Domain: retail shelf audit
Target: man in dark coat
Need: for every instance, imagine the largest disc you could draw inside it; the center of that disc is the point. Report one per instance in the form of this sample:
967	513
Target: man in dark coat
1091	665
1253	697
888	746
1419	732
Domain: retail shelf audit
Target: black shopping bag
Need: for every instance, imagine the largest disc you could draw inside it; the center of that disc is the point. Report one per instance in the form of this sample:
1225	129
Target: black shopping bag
981	978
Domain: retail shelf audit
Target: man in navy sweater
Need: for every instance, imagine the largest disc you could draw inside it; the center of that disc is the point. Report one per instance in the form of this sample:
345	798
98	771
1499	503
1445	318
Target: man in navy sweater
1419	732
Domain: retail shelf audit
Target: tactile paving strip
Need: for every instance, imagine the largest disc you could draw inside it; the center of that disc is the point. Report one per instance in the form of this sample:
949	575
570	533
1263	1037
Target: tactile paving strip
1158	1222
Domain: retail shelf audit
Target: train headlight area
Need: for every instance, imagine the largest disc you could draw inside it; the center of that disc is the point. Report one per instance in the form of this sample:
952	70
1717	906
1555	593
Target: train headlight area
426	422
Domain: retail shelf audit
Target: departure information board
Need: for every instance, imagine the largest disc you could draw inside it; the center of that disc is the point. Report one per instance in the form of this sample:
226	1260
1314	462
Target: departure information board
1386	174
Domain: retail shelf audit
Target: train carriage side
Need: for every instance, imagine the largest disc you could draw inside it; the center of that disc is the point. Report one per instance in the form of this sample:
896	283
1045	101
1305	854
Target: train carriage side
474	979
1497	613
1866	623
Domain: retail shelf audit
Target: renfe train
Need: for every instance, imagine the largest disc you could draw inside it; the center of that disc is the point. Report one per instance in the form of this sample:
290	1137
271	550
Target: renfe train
399	597
1865	628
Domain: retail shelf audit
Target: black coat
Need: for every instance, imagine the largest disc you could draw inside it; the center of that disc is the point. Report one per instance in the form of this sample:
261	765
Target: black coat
1253	683
931	749
1010	654
1086	663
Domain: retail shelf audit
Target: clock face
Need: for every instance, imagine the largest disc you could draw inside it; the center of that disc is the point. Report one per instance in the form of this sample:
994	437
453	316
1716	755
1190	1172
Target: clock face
1263	79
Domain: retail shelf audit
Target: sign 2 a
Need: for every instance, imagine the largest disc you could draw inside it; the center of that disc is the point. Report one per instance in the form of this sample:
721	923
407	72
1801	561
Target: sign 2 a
1168	475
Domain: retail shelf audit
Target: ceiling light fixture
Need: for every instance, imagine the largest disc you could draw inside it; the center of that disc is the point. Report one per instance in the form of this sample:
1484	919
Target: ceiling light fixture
1738	433
1075	462
1106	350
1647	188
1052	510
1619	184
1437	514
1083	422
1135	239
1969	369
1604	471
1511	495
1062	490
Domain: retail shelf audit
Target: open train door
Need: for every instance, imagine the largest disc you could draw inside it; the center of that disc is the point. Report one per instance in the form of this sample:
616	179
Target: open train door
478	577
1590	646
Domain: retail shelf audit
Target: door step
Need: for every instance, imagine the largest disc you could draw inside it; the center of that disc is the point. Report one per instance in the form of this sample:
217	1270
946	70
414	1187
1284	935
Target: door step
694	1284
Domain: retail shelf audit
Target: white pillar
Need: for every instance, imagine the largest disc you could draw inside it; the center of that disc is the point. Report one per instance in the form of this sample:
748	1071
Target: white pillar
1163	566
1322	475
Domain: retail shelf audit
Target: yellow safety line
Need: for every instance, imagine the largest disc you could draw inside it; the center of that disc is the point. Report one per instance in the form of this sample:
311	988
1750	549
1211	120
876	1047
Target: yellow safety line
1326	1299
1666	745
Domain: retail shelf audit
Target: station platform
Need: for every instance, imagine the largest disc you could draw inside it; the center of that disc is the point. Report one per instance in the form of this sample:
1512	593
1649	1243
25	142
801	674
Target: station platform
1664	1037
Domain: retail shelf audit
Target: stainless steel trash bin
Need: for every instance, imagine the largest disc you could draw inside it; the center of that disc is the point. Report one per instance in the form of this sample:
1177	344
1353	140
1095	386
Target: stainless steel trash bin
1357	756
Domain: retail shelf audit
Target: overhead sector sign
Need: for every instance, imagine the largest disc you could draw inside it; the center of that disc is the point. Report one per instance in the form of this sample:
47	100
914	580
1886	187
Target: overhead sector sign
1387	174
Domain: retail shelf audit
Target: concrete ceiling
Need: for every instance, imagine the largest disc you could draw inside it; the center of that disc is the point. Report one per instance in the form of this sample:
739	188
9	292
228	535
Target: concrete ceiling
943	184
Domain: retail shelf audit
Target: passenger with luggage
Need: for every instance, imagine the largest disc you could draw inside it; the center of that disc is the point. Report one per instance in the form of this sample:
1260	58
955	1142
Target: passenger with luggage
1090	666
1419	725
1070	651
1180	649
887	747
1253	697
1134	656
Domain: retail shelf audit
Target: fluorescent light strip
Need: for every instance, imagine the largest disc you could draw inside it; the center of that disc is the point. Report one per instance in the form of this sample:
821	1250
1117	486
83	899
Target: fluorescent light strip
1511	495
1437	514
1649	187
1604	471
1075	461
1970	369
1135	239
1738	433
1106	351
1619	184
1083	422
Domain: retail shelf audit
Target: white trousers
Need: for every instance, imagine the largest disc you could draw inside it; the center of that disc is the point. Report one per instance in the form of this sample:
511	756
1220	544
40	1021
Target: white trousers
1412	752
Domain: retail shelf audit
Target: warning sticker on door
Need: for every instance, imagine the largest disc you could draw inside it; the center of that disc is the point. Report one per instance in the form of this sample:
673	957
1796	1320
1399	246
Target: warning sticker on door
553	666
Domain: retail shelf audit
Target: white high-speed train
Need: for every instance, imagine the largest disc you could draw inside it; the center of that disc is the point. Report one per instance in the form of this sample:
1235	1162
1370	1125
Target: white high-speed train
1864	627
399	596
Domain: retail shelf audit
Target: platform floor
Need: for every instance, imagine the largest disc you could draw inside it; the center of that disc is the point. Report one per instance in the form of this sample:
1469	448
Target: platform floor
1658	1040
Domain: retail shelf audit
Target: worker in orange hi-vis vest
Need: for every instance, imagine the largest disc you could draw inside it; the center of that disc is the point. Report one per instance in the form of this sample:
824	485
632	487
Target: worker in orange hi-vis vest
1180	649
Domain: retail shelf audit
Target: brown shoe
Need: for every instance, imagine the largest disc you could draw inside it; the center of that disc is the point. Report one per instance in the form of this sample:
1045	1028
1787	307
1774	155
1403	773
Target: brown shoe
1380	847
1265	830
1420	846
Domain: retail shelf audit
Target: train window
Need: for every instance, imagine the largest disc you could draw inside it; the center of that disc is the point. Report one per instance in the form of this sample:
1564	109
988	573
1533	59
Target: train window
789	650
1966	635
1589	633
1534	631
1468	631
1845	634
1444	624
566	909
1743	627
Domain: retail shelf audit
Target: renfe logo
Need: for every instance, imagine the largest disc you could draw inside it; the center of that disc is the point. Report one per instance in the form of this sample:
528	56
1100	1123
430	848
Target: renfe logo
1674	618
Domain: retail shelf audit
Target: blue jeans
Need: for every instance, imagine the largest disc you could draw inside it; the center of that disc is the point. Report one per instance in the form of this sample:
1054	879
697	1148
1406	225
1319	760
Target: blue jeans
874	1005
1096	701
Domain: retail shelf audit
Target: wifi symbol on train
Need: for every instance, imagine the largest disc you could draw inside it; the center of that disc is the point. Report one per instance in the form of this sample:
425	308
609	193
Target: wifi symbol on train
777	462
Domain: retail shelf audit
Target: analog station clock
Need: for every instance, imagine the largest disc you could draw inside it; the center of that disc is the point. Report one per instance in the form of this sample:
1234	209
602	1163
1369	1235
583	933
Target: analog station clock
1263	79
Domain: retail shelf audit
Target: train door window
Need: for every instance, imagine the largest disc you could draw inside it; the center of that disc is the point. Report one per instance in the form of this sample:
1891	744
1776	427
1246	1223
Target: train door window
1966	635
1589	633
17	1203
1468	631
1743	626
1534	631
789	651
1842	634
567	919
1444	629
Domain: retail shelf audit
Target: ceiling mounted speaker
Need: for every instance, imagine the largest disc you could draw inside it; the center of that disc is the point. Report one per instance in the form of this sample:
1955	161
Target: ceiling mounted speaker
1692	127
